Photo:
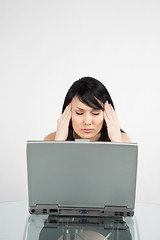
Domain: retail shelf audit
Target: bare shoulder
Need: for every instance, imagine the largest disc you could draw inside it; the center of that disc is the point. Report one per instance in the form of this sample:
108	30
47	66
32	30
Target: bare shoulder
125	138
50	137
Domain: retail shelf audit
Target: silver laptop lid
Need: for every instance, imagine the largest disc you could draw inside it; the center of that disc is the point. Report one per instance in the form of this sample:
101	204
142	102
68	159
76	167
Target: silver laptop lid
81	174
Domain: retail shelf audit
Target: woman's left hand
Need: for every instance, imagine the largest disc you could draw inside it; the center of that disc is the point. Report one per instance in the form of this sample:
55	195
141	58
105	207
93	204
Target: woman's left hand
112	123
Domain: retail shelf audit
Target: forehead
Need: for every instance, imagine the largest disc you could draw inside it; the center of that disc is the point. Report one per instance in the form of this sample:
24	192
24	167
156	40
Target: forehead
76	103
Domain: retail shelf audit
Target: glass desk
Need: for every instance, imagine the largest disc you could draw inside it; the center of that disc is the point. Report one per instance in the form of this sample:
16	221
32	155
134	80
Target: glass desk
17	224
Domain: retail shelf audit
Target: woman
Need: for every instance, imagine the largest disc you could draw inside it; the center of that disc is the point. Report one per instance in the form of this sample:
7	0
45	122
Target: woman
88	113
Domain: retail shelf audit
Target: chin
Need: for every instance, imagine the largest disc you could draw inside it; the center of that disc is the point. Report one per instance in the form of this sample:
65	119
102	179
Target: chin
86	135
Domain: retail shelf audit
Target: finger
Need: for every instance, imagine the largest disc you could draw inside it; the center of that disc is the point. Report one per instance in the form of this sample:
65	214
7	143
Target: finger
64	115
108	112
106	107
67	109
111	108
64	120
107	120
113	113
68	114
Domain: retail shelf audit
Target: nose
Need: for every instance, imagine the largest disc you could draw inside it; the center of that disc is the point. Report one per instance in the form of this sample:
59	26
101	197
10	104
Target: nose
87	119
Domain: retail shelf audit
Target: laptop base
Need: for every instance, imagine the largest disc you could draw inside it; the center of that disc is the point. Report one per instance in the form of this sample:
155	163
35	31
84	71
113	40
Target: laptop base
107	211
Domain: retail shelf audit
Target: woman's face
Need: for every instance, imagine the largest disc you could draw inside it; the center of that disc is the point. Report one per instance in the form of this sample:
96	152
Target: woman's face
86	121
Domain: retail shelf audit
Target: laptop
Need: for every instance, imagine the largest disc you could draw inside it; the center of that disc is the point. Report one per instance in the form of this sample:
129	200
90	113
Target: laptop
77	178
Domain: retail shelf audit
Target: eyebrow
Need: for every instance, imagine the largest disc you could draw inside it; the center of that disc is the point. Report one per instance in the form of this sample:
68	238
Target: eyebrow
80	108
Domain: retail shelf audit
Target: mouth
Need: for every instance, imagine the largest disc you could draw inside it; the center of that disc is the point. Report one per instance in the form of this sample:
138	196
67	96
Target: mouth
87	130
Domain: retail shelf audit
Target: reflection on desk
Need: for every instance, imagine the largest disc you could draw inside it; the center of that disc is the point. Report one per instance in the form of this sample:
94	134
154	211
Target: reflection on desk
78	228
17	223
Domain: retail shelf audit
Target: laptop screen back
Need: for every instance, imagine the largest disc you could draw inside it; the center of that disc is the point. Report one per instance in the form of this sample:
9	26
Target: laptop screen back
77	174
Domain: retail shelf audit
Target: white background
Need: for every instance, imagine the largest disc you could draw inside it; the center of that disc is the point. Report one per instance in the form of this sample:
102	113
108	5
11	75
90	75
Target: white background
47	45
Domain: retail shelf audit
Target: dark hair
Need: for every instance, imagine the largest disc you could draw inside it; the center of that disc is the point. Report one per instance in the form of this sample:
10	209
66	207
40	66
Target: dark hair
89	91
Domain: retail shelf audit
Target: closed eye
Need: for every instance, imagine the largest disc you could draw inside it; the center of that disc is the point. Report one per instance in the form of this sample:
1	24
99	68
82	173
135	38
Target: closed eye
95	113
79	113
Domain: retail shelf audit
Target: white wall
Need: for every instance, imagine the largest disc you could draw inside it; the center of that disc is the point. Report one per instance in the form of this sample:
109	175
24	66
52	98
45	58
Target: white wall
46	45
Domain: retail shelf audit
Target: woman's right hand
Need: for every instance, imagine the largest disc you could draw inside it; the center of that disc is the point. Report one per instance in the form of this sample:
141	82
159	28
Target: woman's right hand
63	124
